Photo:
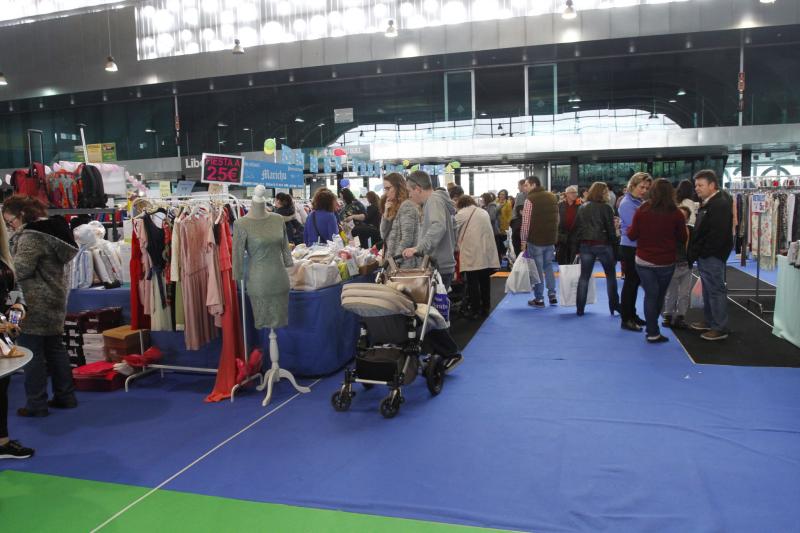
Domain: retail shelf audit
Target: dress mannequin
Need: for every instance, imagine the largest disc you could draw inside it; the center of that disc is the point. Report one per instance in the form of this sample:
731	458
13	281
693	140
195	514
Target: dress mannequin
263	236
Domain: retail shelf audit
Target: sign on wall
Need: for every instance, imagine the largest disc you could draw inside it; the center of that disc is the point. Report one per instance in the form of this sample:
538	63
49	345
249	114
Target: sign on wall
277	175
224	169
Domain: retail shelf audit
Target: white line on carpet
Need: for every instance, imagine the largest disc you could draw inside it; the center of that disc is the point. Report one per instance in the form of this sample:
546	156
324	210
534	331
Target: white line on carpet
193	463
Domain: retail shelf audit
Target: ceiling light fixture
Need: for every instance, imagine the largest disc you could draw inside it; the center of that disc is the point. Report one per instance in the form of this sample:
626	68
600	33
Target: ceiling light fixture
689	43
574	99
71	100
111	65
767	1
238	49
378	70
291	77
221	125
631	47
3	80
576	106
299	119
334	74
681	92
569	12
673	101
499	127
321	124
150	130
653	115
391	30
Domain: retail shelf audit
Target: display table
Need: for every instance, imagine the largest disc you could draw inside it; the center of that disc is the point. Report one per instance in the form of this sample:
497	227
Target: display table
320	338
10	365
786	320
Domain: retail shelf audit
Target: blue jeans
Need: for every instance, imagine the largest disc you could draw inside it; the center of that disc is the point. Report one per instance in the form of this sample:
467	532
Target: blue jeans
655	281
605	254
715	294
49	356
543	256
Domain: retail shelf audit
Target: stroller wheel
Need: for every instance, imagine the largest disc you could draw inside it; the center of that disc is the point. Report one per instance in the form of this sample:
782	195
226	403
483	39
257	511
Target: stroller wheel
340	402
434	375
391	405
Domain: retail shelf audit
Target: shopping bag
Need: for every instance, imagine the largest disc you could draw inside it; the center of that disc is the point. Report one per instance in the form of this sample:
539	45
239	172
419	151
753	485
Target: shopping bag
697	295
519	280
568	278
441	302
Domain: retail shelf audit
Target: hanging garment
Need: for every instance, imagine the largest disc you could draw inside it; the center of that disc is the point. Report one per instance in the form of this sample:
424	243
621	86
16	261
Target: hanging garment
139	320
199	325
175	275
232	342
154	298
264	240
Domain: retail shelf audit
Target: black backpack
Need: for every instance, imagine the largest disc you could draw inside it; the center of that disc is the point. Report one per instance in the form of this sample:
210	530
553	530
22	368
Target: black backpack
92	192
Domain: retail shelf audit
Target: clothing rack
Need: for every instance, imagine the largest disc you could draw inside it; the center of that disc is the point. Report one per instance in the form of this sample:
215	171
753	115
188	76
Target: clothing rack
149	369
767	185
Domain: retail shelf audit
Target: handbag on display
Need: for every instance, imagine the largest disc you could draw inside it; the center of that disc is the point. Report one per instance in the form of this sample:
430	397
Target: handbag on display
90	185
31	182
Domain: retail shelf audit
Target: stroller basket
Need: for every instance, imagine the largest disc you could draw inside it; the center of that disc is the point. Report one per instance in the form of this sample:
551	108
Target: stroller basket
385	364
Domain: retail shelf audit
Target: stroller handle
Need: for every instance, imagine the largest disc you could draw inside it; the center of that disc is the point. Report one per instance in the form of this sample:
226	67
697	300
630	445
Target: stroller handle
426	259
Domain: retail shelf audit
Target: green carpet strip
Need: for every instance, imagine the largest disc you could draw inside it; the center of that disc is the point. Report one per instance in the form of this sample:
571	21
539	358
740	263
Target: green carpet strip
36	502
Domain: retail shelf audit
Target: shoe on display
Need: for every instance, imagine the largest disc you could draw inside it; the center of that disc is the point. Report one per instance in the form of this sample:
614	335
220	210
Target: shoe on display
712	335
451	362
15	450
658	339
699	326
27	413
630	325
536	303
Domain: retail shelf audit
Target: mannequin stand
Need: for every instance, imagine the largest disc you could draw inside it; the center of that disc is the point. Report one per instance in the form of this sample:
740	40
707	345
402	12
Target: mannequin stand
275	373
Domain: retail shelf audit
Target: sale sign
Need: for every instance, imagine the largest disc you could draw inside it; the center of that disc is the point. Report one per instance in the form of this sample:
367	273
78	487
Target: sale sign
225	169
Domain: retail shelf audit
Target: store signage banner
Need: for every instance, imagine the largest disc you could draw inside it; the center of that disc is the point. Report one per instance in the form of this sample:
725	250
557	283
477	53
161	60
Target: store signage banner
277	175
98	153
313	164
758	203
219	168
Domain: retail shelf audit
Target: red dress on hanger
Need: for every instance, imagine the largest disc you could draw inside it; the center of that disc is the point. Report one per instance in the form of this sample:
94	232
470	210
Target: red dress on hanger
232	341
139	320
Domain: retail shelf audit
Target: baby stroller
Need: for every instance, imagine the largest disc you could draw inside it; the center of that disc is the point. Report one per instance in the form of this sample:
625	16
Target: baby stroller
396	312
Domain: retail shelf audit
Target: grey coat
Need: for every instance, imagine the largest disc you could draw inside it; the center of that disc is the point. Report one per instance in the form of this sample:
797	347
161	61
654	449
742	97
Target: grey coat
41	252
437	236
402	232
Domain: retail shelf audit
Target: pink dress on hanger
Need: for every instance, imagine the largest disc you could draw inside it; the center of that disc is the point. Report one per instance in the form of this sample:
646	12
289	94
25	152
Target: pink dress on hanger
199	324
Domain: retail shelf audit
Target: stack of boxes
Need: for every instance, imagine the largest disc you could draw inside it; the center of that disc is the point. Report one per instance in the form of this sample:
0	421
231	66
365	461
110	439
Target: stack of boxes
83	333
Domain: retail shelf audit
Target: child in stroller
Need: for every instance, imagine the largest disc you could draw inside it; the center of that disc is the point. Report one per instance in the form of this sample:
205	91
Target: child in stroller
396	315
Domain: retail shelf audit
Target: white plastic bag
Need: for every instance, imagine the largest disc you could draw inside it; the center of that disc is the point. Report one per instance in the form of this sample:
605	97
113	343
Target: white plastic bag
519	280
568	278
307	276
697	295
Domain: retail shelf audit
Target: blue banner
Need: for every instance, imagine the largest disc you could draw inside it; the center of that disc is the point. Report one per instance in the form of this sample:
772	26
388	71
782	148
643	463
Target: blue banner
313	164
271	174
338	164
326	165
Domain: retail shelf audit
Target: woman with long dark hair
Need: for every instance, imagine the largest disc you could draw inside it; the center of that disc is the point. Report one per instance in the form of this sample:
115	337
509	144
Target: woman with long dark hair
684	197
42	248
284	206
658	226
367	225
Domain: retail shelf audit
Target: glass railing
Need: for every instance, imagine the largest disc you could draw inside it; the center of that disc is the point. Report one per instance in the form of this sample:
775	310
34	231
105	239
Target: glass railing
574	122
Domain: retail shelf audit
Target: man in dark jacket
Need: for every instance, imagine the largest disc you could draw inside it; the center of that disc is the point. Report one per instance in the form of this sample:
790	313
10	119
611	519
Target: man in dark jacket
712	243
539	233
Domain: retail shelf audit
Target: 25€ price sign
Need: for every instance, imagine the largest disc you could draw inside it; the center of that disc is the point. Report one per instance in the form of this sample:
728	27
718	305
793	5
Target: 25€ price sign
219	168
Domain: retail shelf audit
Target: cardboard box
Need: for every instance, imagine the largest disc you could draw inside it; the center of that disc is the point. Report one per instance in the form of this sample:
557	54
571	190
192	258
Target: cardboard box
122	341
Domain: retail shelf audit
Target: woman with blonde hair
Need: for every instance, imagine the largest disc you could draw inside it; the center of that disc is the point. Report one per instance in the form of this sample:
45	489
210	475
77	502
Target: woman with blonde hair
596	235
638	186
400	221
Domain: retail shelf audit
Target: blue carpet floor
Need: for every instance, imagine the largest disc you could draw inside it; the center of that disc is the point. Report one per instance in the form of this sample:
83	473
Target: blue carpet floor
554	423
